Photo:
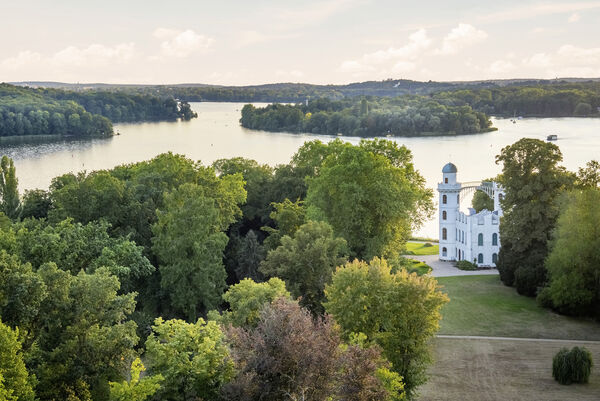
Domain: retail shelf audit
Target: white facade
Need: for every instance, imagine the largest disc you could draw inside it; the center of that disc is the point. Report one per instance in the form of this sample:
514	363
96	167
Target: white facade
468	236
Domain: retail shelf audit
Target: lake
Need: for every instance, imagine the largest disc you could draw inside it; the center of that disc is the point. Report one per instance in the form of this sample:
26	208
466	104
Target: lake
216	134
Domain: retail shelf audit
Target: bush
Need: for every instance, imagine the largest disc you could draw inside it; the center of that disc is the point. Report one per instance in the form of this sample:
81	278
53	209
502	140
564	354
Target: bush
427	245
466	265
572	366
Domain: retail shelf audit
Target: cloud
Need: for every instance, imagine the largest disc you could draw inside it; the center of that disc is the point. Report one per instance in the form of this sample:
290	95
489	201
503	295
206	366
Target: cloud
403	57
175	43
566	61
21	60
96	54
464	35
574	18
540	9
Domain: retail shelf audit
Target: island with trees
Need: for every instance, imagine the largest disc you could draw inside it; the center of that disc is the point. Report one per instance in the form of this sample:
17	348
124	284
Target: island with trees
27	111
408	115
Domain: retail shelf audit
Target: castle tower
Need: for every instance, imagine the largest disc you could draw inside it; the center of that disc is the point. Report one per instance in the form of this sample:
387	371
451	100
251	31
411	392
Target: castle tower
449	202
498	196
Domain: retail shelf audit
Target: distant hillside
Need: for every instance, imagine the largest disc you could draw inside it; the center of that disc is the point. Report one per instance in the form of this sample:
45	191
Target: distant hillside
526	97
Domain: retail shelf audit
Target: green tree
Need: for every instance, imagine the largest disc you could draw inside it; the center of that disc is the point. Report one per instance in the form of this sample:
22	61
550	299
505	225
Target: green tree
84	335
532	180
368	200
36	204
189	242
193	358
482	201
398	311
15	382
589	176
306	262
9	189
574	261
288	217
247	298
135	389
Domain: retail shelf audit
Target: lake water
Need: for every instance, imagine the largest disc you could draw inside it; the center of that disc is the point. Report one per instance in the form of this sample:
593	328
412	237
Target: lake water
216	134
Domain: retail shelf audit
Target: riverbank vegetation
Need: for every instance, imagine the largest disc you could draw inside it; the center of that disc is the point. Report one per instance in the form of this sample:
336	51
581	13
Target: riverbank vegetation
37	112
368	117
231	281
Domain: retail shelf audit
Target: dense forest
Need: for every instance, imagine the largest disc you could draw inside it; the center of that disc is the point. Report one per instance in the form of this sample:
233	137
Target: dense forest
28	111
201	272
368	117
560	100
543	98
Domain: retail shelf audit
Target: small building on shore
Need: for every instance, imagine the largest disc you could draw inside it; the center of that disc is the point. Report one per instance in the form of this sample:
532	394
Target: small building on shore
468	235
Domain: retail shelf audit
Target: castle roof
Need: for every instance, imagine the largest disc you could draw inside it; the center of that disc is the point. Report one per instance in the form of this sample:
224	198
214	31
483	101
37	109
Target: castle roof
449	168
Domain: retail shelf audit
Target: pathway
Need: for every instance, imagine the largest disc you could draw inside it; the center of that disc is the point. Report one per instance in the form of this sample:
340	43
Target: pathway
549	340
446	269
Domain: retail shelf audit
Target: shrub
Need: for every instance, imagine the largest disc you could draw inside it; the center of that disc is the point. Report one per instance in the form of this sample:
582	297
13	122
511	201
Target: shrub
427	245
572	366
466	265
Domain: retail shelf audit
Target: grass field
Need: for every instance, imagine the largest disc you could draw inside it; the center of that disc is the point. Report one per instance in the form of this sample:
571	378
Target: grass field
421	248
490	370
483	306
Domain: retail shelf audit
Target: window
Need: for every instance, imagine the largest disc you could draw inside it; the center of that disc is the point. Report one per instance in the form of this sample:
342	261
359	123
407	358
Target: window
444	215
494	258
444	251
480	258
457	199
444	233
444	199
494	239
446	180
480	239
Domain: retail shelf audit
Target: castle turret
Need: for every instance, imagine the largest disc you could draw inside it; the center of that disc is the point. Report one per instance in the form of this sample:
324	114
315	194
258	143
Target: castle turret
449	201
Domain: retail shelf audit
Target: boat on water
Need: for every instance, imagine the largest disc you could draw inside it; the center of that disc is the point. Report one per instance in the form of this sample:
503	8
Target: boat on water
552	137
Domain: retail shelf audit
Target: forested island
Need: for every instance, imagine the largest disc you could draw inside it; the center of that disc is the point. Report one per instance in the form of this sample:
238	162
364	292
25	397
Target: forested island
368	117
29	111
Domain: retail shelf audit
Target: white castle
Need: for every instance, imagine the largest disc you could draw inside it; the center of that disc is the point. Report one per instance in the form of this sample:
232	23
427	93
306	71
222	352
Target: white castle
473	236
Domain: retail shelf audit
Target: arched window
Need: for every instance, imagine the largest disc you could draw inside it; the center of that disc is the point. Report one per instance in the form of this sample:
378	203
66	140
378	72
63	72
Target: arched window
444	233
480	258
445	180
444	215
480	239
444	251
494	239
494	258
500	197
444	199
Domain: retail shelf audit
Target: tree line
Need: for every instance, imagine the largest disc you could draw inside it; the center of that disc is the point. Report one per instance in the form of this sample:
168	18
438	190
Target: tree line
27	111
368	117
556	100
549	230
234	281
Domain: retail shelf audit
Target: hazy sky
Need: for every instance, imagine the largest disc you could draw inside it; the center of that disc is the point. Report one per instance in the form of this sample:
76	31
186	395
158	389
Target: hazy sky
329	41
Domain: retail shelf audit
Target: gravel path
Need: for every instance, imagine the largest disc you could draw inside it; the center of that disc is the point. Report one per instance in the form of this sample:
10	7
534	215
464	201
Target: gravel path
446	269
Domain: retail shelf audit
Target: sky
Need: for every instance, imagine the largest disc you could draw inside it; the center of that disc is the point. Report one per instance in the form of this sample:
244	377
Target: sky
323	42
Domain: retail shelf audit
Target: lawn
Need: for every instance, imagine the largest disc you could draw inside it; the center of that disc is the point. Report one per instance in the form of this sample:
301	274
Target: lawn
483	306
422	248
419	267
490	370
